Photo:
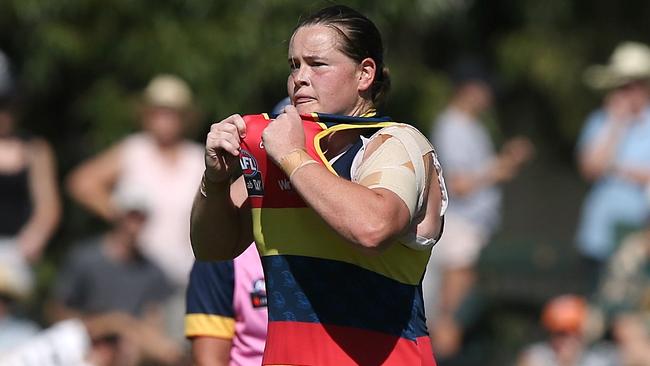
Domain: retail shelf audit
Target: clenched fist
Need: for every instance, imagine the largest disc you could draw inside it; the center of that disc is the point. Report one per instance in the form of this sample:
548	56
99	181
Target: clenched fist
222	147
284	134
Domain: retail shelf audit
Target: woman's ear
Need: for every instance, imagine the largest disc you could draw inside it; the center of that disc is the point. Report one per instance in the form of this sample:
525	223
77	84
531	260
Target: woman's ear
367	74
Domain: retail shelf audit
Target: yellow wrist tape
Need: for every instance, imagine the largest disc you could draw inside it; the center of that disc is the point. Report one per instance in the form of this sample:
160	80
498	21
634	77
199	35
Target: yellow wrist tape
294	160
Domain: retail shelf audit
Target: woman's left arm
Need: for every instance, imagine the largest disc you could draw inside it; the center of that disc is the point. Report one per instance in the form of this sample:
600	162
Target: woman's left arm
364	216
46	204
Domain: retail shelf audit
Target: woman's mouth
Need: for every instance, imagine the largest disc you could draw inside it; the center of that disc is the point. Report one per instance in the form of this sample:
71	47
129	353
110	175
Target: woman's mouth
303	100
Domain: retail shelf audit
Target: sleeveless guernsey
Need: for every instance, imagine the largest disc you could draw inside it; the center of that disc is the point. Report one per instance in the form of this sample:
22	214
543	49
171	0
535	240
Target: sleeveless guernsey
329	303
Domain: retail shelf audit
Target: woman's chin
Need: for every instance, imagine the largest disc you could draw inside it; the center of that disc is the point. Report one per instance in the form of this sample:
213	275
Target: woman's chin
307	108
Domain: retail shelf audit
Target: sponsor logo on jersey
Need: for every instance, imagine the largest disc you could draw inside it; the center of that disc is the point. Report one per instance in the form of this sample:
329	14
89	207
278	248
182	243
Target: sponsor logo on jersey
252	175
285	184
258	295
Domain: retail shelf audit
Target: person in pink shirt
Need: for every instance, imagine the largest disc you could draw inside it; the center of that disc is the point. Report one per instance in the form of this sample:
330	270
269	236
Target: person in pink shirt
226	315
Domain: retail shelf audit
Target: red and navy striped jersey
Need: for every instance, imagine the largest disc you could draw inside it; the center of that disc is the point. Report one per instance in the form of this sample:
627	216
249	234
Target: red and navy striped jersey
329	302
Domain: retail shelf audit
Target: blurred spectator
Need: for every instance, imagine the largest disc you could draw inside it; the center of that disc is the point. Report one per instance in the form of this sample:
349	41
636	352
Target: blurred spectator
108	274
166	169
162	165
15	285
89	341
65	344
565	319
473	171
625	285
226	311
631	331
30	208
614	153
624	297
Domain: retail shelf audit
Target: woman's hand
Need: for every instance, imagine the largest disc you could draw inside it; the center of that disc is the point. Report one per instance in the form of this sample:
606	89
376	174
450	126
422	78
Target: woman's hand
31	244
518	150
284	134
222	148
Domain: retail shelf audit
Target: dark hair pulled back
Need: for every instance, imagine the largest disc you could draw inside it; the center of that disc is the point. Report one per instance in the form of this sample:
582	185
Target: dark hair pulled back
360	39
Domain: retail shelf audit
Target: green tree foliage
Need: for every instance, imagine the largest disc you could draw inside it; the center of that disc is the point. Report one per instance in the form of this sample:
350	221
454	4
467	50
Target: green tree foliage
82	62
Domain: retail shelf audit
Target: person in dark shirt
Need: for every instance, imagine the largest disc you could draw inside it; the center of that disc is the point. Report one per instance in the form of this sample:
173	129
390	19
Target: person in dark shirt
108	274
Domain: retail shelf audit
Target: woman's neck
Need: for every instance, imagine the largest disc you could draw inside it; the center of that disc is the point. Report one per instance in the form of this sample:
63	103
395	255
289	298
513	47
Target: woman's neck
465	106
339	141
362	107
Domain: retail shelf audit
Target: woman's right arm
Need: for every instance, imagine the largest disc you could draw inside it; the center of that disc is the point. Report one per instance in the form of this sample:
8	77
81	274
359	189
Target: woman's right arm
220	225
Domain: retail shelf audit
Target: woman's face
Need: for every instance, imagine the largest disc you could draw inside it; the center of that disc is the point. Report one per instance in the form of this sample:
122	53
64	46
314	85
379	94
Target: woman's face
637	94
323	79
164	124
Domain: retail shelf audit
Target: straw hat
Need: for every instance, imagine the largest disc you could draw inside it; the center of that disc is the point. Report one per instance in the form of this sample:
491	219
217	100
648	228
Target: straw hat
629	62
168	91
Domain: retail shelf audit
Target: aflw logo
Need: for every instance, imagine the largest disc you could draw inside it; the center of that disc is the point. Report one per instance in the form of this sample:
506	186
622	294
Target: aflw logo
248	163
252	175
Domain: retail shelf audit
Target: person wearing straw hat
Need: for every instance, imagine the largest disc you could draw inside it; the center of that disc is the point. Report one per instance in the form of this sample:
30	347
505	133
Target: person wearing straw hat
613	153
166	168
157	161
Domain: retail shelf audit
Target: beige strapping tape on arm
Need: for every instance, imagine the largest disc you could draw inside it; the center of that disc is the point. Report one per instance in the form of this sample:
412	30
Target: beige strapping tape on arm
411	147
396	165
416	146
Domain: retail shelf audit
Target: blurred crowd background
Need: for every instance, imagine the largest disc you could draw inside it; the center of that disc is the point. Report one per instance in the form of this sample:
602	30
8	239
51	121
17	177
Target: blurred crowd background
87	83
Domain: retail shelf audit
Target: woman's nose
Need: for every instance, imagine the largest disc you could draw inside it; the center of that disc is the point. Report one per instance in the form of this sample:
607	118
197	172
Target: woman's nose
301	76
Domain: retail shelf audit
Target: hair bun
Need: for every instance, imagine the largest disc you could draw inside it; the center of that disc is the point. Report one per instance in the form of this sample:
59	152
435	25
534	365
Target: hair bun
381	85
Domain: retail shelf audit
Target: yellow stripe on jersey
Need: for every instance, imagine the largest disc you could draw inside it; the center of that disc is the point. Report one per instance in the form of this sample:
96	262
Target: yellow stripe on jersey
208	325
340	127
300	231
372	112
